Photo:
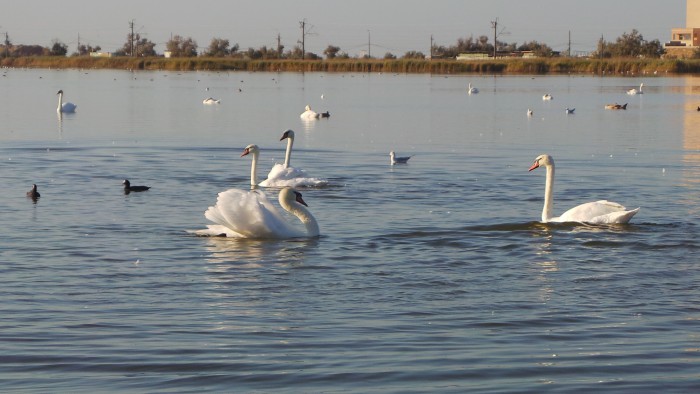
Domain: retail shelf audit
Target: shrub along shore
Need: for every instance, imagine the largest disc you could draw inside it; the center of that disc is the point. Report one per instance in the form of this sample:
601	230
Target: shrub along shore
559	65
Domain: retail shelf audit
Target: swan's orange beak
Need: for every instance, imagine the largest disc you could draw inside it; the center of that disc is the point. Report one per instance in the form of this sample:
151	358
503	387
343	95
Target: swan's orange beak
534	165
245	152
300	200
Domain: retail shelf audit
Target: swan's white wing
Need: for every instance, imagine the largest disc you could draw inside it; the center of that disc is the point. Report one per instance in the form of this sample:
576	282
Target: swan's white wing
598	212
620	217
309	114
248	214
291	176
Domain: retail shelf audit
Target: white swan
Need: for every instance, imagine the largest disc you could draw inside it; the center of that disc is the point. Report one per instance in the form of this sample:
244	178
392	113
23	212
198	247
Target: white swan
285	175
309	113
472	90
547	97
598	212
632	92
210	101
398	160
252	148
249	214
529	112
66	107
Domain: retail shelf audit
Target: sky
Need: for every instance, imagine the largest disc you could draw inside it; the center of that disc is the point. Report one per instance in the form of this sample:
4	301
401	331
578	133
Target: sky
394	26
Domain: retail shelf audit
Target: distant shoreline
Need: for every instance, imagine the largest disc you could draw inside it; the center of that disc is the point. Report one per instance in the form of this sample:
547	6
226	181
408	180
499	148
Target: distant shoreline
538	66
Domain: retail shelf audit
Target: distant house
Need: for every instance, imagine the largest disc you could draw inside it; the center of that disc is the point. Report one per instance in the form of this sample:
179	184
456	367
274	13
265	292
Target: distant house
472	56
686	40
167	54
100	54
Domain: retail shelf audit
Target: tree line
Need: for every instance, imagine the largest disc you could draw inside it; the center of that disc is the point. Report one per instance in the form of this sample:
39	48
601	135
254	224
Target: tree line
630	44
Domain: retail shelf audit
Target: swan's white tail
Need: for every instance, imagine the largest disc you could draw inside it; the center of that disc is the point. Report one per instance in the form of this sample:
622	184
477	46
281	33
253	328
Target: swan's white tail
621	217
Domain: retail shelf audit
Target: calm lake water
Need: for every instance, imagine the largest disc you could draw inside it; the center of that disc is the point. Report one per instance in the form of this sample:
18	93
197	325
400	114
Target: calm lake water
435	276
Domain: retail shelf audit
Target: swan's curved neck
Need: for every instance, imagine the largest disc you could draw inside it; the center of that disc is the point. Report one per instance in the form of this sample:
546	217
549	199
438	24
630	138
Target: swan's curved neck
304	215
254	169
288	154
60	102
548	187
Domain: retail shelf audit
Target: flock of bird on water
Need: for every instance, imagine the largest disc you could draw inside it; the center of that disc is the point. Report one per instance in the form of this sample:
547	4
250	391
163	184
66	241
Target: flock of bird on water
249	214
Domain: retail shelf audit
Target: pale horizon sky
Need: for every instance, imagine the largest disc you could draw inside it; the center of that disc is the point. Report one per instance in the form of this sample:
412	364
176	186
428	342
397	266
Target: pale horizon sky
395	26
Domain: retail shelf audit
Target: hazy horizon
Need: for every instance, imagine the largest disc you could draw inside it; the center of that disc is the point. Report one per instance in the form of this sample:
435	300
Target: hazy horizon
384	25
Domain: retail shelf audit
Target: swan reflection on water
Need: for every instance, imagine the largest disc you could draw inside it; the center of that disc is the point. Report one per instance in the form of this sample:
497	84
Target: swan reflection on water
227	254
308	123
59	116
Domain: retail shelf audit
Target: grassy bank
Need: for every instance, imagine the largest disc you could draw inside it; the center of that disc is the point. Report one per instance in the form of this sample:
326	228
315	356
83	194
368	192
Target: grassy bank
497	66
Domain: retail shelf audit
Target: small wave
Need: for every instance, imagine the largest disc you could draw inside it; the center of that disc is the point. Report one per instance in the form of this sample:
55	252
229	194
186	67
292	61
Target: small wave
502	228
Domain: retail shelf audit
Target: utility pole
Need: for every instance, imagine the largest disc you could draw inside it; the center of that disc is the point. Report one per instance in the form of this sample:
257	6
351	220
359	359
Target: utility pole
369	44
279	46
494	24
7	45
303	38
304	32
131	38
431	47
569	43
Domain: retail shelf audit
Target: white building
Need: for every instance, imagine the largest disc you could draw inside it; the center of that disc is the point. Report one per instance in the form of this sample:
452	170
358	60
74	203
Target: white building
685	40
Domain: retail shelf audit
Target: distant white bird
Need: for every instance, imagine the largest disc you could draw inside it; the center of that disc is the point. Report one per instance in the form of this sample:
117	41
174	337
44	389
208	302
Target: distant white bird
547	97
632	92
529	112
66	107
309	113
397	160
472	90
211	100
570	110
